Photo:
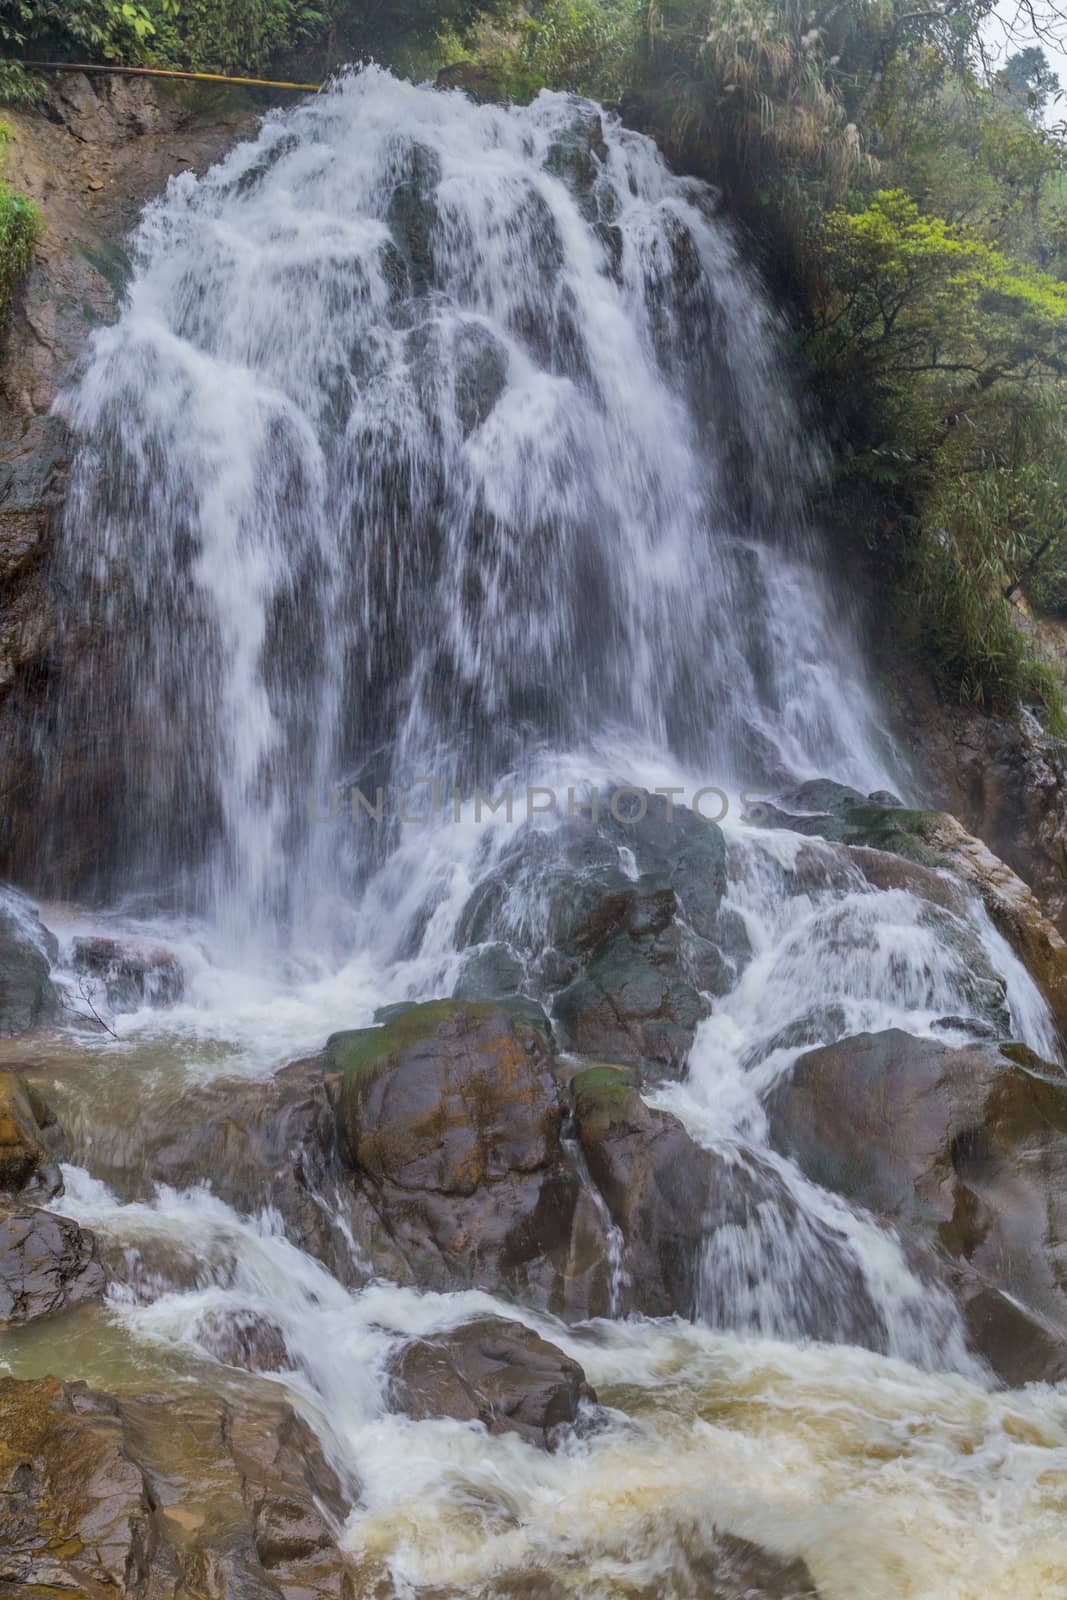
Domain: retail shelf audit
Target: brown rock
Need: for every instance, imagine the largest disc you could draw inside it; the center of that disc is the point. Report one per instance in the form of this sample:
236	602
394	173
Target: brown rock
162	1496
264	1142
449	1118
671	1200
965	1151
1005	780
931	840
1013	908
47	1264
131	974
31	1143
494	1372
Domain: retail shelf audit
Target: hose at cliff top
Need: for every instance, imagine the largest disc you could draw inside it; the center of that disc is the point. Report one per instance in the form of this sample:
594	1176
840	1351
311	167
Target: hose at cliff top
162	72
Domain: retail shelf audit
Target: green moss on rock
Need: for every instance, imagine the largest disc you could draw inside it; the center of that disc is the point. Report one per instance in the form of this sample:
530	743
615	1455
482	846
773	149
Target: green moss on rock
365	1049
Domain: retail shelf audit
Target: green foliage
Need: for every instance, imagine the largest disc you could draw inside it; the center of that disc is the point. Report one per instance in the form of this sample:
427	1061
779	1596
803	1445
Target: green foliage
229	36
975	644
94	30
233	36
20	226
582	46
1028	82
910	295
17	88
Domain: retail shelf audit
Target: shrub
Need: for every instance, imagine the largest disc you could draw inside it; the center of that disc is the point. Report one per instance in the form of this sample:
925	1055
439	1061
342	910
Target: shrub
20	226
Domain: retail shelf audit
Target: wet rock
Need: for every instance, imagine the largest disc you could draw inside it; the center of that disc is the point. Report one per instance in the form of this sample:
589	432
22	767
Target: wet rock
633	1004
445	1097
481	374
476	80
122	134
494	1372
449	1118
1006	780
130	975
964	1150
696	1226
703	1562
625	921
737	1569
244	1339
655	1182
27	950
47	1264
823	795
974	1026
412	213
491	972
164	1495
31	1143
266	1143
576	157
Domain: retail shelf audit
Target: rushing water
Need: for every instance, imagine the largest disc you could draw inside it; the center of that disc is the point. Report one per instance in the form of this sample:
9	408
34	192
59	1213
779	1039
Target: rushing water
447	442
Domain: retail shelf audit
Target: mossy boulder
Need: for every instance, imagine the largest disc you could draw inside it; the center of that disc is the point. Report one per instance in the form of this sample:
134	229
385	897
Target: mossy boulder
449	1118
633	1002
623	923
445	1098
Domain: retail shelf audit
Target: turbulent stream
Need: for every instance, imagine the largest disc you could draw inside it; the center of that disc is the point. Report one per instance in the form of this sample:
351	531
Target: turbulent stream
442	449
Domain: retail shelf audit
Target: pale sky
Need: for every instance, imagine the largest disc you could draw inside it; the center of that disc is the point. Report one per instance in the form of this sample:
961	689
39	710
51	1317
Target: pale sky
999	46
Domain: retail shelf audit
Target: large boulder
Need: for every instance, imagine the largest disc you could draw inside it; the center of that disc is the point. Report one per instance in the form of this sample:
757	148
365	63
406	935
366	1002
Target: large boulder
697	1227
494	1372
263	1143
47	1264
28	998
450	1117
965	1152
656	1183
633	1003
164	1495
622	922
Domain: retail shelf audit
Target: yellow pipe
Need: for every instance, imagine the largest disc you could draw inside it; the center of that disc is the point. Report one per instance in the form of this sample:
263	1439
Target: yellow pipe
164	72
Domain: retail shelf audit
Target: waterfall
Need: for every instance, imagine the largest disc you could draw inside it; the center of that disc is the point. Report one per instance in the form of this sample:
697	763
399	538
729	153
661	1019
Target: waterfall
441	452
439	439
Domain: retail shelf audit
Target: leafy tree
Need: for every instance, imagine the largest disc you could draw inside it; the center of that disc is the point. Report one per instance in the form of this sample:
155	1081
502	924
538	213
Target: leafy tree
1028	82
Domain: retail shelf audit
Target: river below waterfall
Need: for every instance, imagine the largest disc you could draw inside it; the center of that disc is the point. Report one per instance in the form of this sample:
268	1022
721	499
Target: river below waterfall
443	453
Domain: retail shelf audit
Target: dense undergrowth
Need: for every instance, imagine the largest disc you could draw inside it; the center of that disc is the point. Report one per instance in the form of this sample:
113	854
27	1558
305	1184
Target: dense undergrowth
906	198
20	225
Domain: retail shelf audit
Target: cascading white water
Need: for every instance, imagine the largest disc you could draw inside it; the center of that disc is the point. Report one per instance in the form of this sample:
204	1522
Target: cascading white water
448	441
438	436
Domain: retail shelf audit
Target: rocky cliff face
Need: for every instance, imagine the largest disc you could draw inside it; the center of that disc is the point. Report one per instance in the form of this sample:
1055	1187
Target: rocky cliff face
90	158
1006	782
